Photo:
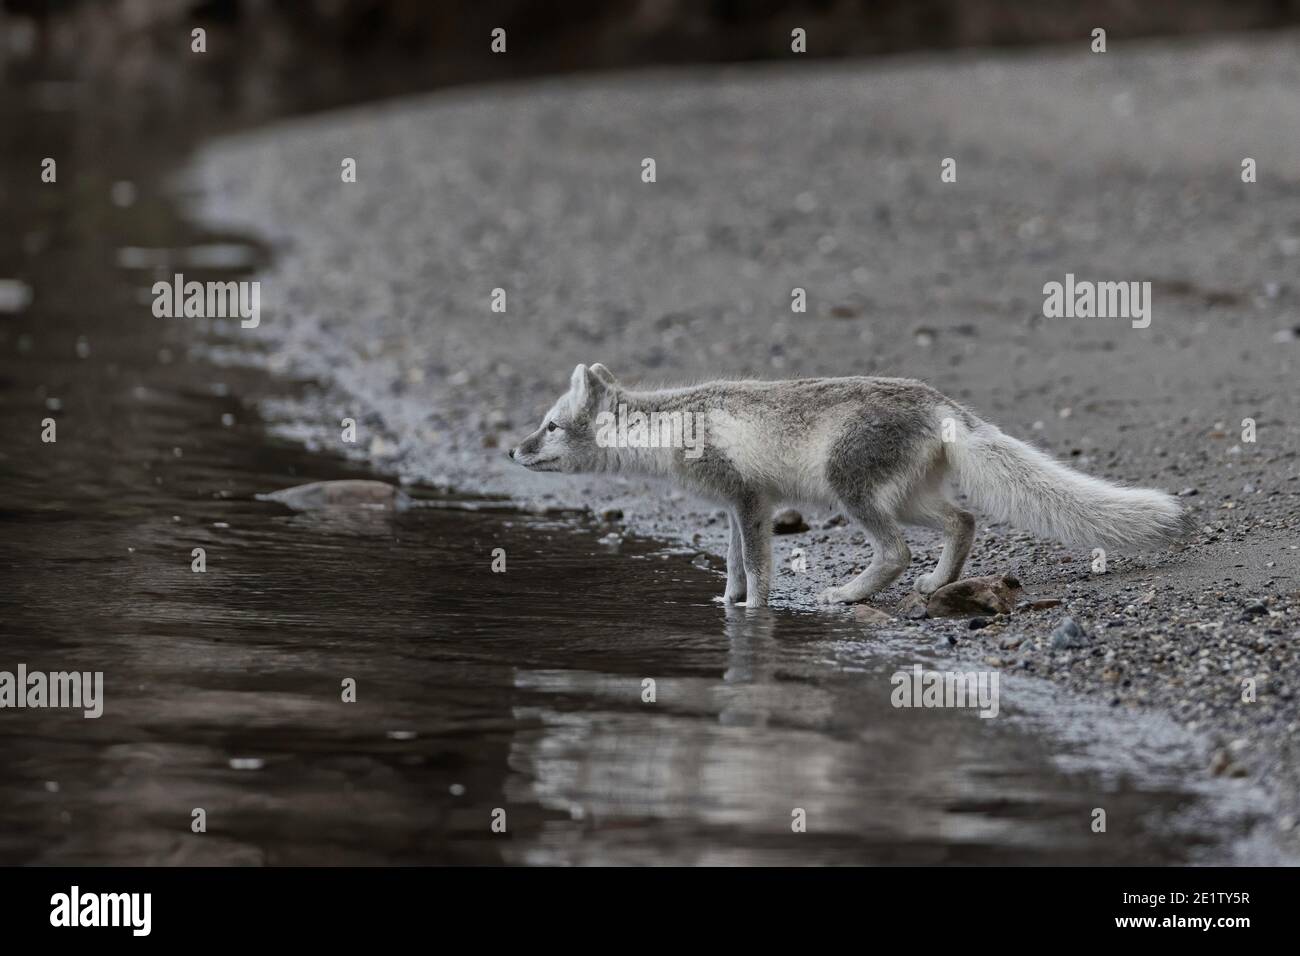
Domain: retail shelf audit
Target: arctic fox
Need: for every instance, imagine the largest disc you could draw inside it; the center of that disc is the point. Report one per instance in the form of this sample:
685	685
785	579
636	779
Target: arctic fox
887	451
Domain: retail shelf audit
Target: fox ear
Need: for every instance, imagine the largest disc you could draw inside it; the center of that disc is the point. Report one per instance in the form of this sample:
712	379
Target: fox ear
604	374
579	385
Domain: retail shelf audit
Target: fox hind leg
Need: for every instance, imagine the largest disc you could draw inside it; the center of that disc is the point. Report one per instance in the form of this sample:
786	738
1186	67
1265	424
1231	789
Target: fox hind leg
889	558
958	527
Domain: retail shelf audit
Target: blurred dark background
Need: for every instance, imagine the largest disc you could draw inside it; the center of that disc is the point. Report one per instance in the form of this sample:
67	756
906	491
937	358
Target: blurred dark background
326	52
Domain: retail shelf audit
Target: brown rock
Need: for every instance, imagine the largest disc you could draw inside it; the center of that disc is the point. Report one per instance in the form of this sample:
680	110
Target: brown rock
995	594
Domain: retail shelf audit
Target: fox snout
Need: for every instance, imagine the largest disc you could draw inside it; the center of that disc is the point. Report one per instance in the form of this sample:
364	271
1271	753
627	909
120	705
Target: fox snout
531	454
519	456
527	448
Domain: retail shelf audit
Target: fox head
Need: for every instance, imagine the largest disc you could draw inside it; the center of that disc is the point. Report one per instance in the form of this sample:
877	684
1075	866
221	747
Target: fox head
566	439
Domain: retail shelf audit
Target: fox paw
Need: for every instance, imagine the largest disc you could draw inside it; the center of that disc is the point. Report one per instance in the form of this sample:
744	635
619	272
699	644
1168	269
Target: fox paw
929	583
835	596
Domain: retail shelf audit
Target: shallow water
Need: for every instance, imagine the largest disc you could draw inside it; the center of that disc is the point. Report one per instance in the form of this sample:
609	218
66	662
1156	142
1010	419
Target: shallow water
475	690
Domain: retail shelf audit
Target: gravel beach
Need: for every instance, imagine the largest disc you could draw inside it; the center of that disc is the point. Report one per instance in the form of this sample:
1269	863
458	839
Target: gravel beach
826	177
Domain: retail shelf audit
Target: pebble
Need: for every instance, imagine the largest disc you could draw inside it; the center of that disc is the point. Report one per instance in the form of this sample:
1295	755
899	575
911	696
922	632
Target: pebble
1041	604
1068	634
1222	765
15	295
870	615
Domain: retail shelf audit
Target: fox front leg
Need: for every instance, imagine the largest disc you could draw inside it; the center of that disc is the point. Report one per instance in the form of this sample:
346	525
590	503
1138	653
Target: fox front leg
735	592
754	517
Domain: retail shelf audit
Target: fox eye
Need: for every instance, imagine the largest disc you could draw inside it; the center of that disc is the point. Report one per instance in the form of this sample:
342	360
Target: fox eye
551	426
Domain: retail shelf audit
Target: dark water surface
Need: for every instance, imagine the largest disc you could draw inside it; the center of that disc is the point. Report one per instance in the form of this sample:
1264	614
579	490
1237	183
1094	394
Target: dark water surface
476	691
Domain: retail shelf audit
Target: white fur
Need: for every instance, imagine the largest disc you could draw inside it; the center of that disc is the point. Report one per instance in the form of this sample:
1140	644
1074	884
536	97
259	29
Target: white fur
1014	482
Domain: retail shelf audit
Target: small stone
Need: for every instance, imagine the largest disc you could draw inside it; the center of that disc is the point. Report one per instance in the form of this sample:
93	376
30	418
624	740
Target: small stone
867	614
977	623
611	514
788	521
15	295
1067	635
1222	765
1188	492
912	607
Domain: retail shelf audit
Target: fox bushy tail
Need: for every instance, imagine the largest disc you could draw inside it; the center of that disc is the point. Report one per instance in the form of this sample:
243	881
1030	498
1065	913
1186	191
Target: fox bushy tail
1011	481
